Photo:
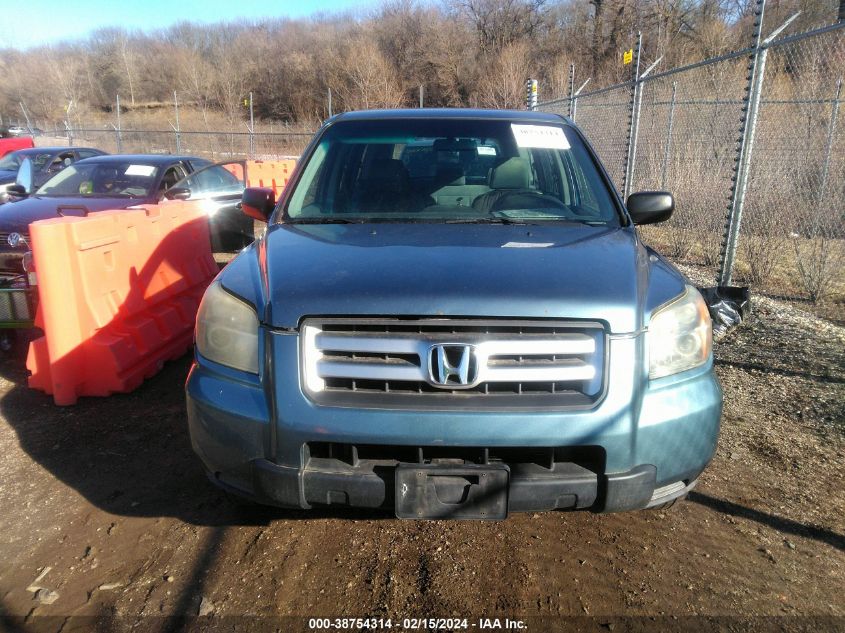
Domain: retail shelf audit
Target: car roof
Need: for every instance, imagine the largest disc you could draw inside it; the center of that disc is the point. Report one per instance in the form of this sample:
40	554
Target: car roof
526	116
141	159
54	149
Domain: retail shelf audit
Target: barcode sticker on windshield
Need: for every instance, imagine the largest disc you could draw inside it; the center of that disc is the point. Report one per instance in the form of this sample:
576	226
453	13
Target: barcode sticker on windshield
540	136
139	170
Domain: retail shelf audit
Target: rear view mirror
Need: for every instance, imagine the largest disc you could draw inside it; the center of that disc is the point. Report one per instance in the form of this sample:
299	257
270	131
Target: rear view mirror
650	207
258	203
23	182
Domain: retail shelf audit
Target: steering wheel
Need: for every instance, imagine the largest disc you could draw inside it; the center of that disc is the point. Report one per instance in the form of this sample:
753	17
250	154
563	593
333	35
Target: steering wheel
528	199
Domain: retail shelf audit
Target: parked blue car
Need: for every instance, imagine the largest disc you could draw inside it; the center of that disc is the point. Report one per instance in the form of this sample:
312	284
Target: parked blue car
451	315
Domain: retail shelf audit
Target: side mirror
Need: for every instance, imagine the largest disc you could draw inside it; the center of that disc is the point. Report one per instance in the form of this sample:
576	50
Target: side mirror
650	207
177	193
16	190
258	203
23	182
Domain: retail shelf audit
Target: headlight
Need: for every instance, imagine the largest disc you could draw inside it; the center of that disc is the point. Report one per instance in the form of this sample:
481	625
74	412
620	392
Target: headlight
227	330
679	336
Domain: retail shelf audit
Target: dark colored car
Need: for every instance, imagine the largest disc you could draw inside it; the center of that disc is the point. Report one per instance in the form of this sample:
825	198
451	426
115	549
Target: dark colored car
46	163
92	184
217	190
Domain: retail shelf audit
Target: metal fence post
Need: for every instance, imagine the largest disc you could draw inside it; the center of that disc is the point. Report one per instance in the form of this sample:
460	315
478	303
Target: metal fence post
751	101
117	129
742	166
251	129
632	106
176	129
636	129
571	89
670	125
831	133
575	98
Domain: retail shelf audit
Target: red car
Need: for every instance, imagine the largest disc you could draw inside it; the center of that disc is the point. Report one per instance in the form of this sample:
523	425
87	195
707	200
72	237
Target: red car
15	142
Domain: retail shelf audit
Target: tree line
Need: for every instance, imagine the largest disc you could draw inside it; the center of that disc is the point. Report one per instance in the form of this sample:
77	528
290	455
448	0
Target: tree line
475	53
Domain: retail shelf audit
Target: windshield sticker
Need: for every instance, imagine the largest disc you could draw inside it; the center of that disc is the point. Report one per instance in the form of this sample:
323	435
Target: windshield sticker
139	170
539	136
527	244
486	150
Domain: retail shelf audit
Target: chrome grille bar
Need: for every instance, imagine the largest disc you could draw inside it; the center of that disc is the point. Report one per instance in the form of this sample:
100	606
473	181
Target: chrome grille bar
514	357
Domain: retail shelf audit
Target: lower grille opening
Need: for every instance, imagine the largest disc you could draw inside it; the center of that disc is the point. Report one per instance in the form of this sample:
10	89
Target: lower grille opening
368	455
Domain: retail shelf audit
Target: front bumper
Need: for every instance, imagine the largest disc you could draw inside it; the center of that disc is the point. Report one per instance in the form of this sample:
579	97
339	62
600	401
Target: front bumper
648	440
570	488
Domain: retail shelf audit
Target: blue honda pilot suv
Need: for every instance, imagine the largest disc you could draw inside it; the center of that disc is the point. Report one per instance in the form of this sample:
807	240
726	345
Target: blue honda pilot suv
451	315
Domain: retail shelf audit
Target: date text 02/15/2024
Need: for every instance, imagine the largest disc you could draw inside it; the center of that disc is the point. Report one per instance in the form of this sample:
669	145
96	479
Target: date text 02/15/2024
412	624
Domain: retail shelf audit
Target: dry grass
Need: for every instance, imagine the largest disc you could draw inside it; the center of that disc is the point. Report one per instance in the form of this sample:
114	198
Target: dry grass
783	278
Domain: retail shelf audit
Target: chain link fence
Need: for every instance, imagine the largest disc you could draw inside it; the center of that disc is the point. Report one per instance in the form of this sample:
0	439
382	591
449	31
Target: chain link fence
216	145
752	146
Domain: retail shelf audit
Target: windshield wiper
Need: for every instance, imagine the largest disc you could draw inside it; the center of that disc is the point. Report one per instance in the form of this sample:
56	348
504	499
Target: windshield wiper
486	221
327	221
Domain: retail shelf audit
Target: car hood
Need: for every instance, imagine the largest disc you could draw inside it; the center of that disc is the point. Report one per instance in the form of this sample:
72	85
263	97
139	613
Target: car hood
16	216
434	270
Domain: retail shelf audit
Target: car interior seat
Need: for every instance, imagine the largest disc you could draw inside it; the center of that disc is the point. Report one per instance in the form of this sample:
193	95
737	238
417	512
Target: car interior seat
511	177
452	188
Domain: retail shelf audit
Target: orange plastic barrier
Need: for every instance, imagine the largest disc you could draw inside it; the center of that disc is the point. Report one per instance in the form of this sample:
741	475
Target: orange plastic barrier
118	296
273	174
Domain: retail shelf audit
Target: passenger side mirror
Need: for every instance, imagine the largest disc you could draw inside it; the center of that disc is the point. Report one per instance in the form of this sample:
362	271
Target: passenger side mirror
177	193
258	203
650	207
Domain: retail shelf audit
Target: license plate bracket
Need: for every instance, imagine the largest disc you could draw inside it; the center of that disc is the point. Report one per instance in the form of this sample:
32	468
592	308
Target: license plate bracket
437	491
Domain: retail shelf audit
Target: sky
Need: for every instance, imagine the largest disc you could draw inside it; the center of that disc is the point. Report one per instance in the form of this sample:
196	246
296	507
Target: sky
30	23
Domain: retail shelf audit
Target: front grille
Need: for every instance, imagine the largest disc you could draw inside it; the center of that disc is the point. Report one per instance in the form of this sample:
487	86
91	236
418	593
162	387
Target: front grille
4	239
453	362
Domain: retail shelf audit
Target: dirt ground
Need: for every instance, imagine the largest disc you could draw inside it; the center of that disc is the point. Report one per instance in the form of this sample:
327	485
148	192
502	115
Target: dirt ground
106	512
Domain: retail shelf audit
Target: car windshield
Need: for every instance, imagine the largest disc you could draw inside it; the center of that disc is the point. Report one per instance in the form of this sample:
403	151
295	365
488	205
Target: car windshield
450	170
12	161
106	180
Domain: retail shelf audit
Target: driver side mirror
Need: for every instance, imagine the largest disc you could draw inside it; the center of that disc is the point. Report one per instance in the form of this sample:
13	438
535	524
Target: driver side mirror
17	190
258	203
650	207
177	193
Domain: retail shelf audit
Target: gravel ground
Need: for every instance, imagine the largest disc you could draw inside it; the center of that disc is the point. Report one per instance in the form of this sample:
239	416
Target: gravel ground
106	512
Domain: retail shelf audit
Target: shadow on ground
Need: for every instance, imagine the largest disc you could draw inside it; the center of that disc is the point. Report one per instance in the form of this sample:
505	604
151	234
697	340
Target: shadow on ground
128	454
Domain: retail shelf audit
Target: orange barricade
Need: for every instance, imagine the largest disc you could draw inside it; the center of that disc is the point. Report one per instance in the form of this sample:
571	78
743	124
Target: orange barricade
273	174
118	296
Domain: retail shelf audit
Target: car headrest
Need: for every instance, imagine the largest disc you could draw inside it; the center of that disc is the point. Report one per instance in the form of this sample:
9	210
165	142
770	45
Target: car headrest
512	174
